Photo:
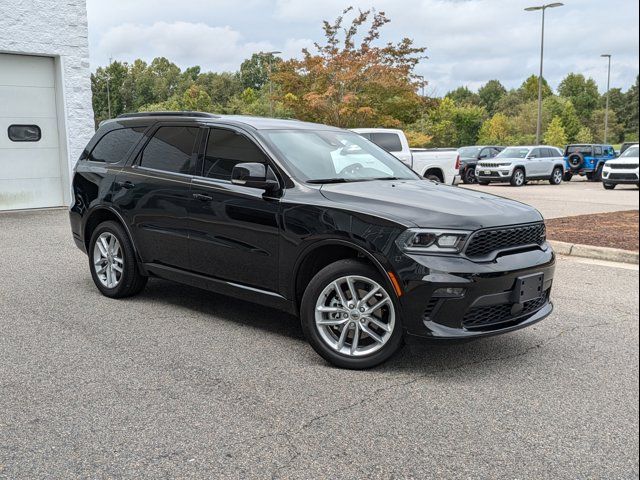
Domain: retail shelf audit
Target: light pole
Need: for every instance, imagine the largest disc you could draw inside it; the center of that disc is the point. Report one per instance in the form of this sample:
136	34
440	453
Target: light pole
270	57
533	9
108	91
606	108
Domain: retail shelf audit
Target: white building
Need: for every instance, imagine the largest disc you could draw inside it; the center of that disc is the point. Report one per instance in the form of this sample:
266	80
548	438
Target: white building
46	116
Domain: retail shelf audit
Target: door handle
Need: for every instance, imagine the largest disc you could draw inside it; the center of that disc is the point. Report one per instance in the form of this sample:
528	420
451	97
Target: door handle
202	198
128	185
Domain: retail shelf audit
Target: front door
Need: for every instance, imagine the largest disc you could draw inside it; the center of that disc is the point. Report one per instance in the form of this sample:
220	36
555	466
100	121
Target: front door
235	234
154	195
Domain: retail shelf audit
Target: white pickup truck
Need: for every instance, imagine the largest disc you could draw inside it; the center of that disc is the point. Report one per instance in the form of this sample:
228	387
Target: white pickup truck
439	164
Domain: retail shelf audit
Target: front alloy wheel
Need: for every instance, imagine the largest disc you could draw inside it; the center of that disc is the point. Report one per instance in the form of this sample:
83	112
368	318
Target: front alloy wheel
350	316
556	176
355	316
518	178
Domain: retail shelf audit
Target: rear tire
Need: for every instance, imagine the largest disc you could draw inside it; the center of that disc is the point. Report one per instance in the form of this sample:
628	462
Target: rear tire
334	338
597	176
556	176
567	176
113	262
518	178
609	186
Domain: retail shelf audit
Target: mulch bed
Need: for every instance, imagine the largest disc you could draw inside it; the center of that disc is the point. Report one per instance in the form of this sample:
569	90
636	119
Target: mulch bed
615	229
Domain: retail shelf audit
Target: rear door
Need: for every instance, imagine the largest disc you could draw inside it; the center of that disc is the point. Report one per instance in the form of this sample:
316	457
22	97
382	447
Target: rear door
154	194
235	234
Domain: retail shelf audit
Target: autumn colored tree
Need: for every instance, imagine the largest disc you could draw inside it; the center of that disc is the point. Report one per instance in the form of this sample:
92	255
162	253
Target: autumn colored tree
349	82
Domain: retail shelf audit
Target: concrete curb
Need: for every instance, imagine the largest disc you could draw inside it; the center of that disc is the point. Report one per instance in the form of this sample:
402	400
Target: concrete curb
597	253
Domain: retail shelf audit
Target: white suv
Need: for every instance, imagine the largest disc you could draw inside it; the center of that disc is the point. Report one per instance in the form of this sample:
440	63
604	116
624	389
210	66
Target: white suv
623	169
518	165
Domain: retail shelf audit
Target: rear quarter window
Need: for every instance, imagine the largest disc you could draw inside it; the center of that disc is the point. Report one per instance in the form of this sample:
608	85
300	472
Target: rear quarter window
114	145
387	141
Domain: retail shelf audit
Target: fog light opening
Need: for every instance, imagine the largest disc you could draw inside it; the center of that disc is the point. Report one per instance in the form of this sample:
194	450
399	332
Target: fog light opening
449	292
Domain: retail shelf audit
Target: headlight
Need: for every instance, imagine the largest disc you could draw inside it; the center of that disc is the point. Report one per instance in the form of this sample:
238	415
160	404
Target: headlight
422	240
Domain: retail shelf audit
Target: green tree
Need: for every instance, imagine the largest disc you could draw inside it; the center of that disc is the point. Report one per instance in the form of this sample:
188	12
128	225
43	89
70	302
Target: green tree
582	92
555	106
463	96
615	133
555	134
490	95
529	88
255	71
630	114
496	131
584	136
116	73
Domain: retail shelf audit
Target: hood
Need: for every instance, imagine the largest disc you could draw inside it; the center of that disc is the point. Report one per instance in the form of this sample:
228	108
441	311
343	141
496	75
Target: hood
501	160
623	161
422	203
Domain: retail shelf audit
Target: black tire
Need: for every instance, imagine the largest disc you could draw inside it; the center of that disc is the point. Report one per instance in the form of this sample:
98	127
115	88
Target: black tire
556	176
567	176
434	177
576	161
517	180
313	291
482	182
597	175
131	281
469	176
609	186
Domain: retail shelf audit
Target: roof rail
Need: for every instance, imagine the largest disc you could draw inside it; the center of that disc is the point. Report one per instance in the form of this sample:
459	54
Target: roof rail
168	114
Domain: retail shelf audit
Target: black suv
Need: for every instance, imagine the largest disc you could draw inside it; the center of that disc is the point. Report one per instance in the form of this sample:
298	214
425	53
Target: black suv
469	158
310	219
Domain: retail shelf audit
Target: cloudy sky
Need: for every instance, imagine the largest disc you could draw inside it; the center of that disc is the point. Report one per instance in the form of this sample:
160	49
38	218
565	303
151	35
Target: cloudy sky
468	41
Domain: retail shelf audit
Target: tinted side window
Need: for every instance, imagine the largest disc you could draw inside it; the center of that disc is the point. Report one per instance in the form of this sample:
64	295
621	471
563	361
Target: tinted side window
535	153
597	151
548	152
114	145
387	141
225	149
170	149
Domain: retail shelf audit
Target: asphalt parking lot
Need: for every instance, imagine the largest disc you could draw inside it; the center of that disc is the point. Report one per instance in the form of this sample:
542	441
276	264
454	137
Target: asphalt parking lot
181	383
577	197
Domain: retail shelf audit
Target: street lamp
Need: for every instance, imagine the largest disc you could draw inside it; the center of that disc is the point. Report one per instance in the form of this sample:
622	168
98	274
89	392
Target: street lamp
270	56
533	9
606	108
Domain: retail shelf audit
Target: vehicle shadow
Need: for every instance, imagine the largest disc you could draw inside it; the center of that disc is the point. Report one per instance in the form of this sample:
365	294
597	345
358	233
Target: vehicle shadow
431	359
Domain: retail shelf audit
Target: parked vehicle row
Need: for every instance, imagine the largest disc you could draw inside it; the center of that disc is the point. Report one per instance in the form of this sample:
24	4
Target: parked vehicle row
310	219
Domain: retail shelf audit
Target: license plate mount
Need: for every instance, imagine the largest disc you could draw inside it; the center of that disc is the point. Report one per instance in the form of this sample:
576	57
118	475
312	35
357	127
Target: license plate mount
487	172
528	287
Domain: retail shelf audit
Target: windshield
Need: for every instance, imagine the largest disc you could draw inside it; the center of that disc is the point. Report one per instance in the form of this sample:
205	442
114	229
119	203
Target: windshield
469	152
584	149
513	152
322	156
630	152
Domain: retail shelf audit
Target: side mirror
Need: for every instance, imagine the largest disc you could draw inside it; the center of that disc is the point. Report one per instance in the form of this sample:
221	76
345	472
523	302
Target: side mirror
253	175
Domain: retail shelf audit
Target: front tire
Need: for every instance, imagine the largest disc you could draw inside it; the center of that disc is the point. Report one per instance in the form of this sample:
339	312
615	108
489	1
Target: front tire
609	186
112	261
350	315
469	176
518	178
556	176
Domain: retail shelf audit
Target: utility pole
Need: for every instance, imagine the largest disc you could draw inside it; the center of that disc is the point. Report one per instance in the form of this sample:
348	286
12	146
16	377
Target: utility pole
532	9
606	108
108	91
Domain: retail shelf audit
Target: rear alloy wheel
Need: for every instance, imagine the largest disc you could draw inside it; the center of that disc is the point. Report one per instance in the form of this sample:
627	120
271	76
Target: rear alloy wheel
113	262
518	179
609	186
556	176
349	316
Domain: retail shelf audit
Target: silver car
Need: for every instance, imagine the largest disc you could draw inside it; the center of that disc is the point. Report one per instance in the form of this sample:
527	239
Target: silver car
518	165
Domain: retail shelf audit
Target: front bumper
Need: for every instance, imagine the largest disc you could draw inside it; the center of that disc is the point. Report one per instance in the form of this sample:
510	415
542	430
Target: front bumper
620	176
493	174
488	305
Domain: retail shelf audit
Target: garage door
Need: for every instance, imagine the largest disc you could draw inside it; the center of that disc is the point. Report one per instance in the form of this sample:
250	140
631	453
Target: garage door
30	173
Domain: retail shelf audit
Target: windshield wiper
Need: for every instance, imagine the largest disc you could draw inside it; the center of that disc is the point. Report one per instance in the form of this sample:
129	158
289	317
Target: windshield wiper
389	178
336	180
